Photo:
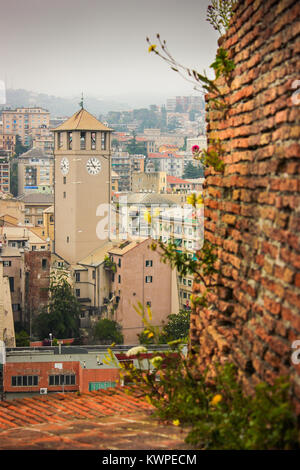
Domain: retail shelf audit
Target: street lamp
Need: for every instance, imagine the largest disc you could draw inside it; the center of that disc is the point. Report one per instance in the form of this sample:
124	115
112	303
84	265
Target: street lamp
50	336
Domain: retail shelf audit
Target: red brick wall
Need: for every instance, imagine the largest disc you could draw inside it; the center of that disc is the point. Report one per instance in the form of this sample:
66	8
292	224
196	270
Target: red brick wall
44	369
252	211
37	280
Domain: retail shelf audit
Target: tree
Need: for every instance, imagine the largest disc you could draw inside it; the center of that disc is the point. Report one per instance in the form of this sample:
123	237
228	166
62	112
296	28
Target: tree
19	147
177	327
22	339
193	172
14	177
136	148
108	331
61	316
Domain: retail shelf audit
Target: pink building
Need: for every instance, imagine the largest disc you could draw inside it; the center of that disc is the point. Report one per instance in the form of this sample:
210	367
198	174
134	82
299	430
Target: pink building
141	277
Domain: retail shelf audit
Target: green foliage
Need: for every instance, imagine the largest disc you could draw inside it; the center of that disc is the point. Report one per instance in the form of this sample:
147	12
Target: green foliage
219	14
178	326
136	148
19	147
212	156
192	172
109	264
61	316
108	331
14	177
22	339
222	65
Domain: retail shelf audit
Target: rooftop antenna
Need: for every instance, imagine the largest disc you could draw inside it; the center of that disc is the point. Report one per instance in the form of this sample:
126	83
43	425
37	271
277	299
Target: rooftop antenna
81	101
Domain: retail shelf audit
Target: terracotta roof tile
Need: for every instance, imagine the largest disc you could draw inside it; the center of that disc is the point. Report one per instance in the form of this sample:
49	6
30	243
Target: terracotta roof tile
58	407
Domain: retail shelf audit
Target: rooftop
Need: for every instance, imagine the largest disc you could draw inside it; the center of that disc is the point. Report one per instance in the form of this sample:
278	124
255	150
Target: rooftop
105	419
82	120
37	198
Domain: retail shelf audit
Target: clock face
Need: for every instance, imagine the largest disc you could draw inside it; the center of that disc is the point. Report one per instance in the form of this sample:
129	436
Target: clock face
93	166
64	166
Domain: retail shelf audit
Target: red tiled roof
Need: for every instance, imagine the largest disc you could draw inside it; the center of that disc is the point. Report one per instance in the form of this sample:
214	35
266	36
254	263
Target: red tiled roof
163	155
107	419
59	407
175	180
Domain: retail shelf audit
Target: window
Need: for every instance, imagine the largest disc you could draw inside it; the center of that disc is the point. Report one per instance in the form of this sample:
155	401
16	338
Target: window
82	140
62	379
119	262
189	283
33	247
68	239
59	143
113	277
69	140
65	195
94	275
93	140
149	263
77	277
6	263
65	179
12	284
148	303
24	380
103	140
148	279
77	291
119	279
44	263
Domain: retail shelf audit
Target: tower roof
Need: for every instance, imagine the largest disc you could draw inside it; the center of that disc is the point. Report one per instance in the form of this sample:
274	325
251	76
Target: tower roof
82	120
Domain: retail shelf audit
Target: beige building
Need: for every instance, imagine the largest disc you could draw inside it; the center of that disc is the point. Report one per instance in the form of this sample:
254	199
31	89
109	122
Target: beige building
114	182
82	185
21	121
34	206
35	172
22	237
7	330
12	268
155	182
7	143
13	207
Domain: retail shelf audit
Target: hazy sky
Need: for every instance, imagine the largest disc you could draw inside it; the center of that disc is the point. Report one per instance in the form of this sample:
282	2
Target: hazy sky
64	47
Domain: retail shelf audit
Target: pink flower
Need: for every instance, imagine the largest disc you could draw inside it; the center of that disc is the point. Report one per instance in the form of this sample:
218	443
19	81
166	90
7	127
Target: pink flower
195	148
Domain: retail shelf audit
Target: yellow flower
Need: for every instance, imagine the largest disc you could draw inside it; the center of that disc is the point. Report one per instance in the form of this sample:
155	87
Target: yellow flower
216	399
176	422
191	199
147	217
199	199
152	47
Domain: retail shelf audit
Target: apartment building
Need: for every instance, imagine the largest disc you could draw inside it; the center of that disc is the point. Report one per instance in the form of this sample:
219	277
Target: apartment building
34	206
141	277
125	165
183	227
35	172
4	174
170	163
21	121
7	143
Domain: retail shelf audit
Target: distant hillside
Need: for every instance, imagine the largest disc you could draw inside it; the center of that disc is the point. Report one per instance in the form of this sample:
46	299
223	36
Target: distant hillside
58	106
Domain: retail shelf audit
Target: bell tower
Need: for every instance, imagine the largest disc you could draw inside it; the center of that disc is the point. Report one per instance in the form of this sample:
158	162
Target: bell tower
82	184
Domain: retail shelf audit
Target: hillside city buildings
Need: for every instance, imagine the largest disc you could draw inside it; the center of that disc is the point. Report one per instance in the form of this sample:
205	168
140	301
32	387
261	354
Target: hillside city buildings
81	206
